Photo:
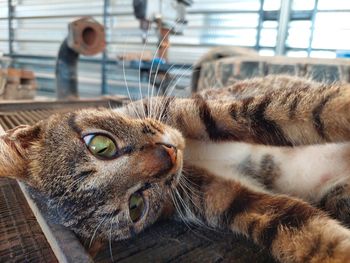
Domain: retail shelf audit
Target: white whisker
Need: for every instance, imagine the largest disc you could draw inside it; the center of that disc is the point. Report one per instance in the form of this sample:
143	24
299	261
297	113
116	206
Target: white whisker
124	75
154	55
110	240
172	88
69	188
98	226
143	50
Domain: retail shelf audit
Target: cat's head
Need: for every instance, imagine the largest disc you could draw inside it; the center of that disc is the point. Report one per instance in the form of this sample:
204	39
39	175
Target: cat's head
104	173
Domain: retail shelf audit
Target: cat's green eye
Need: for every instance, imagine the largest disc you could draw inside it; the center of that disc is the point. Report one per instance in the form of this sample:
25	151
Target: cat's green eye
136	206
100	145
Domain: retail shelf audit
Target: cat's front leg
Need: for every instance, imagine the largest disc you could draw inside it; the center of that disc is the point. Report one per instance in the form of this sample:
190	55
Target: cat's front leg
292	230
279	117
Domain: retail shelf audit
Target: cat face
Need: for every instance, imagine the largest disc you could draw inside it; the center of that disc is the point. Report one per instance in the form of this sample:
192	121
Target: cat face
105	174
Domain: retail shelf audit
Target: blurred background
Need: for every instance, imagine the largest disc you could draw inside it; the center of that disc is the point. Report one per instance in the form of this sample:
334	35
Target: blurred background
31	32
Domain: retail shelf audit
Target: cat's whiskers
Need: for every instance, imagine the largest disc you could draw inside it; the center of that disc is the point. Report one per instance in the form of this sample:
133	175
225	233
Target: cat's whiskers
94	234
184	184
189	69
172	86
194	204
178	78
189	223
110	239
178	209
124	75
69	188
140	61
161	83
154	56
189	213
187	196
161	106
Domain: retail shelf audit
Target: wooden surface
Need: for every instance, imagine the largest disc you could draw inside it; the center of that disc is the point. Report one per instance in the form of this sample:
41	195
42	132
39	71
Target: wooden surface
171	241
21	239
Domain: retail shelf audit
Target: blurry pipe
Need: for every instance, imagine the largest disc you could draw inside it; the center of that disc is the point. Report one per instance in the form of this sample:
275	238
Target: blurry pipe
66	72
85	36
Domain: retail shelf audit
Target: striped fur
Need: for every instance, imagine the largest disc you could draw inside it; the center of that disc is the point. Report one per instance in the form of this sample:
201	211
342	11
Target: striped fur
294	231
296	115
247	163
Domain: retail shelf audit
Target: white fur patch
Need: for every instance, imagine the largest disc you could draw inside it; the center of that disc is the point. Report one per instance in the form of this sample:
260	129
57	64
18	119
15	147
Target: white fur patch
305	171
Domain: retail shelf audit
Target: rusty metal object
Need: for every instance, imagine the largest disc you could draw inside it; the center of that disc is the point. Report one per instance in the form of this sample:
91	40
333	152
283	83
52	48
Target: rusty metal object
164	43
85	36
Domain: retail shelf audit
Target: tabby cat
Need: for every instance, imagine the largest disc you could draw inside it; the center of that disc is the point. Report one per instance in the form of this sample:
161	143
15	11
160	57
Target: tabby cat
214	159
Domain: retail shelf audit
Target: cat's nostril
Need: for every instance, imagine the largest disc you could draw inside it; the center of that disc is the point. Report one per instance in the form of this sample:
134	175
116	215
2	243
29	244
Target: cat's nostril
171	150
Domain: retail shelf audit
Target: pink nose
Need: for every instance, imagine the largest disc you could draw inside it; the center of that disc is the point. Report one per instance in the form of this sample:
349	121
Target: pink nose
171	150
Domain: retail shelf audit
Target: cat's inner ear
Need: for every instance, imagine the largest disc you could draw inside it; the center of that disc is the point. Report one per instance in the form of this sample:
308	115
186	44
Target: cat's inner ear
15	149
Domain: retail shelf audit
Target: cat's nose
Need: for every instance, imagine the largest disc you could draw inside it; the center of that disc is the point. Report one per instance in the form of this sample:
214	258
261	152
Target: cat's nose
171	150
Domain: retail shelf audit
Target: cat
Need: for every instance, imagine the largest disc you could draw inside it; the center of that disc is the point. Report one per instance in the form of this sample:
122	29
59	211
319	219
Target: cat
266	158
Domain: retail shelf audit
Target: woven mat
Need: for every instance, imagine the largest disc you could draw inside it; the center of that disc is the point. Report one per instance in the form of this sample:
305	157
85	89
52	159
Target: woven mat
21	239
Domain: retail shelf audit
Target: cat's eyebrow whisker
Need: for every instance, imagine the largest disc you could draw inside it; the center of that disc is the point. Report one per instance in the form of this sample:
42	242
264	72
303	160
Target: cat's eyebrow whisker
126	83
161	83
162	109
154	55
172	87
160	104
140	61
127	88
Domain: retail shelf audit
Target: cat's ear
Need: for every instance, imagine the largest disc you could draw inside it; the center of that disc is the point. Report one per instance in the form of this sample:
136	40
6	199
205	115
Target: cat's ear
15	147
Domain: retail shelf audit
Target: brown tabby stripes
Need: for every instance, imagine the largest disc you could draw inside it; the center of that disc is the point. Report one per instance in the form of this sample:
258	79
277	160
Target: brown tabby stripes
268	130
316	114
209	122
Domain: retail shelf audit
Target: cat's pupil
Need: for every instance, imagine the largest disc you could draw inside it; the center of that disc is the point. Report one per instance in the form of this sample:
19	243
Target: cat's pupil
102	150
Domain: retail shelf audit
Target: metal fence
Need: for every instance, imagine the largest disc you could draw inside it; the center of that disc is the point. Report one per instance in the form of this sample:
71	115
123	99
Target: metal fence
31	31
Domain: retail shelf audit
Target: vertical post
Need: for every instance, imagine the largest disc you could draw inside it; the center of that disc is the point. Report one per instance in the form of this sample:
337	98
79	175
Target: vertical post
261	20
10	27
104	84
312	28
283	21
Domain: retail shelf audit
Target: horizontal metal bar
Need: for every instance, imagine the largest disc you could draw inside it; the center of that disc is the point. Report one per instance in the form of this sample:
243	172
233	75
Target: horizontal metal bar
57	105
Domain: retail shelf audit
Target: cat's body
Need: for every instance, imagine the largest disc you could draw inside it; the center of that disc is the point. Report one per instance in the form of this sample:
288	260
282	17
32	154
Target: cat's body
111	173
306	172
